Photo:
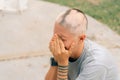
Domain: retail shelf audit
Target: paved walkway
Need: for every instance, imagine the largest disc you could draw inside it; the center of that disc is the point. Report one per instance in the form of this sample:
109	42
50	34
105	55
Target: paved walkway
24	39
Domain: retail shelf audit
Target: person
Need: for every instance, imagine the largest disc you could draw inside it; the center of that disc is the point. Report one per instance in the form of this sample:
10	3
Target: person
75	57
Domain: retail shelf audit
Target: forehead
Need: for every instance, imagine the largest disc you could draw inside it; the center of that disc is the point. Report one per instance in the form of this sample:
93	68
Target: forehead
61	31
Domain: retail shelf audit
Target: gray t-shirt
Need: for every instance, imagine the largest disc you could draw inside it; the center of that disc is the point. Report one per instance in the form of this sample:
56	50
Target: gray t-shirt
95	63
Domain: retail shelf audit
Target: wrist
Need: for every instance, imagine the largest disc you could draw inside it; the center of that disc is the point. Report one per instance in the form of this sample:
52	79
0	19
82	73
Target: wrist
63	63
62	73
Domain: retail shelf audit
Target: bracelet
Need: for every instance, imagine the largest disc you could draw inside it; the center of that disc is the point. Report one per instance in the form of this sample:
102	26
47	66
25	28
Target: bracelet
62	67
62	72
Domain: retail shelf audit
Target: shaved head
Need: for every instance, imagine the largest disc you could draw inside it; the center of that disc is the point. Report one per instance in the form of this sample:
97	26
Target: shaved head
74	20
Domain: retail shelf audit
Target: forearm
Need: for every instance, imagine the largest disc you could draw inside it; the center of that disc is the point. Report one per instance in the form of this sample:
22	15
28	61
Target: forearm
62	73
52	73
61	56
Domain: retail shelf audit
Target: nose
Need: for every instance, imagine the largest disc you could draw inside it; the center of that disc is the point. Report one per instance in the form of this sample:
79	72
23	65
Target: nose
66	48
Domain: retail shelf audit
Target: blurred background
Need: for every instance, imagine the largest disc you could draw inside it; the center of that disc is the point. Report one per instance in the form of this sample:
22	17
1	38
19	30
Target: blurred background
105	11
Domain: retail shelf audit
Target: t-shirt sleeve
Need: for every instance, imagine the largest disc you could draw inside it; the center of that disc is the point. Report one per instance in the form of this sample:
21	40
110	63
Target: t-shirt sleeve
93	72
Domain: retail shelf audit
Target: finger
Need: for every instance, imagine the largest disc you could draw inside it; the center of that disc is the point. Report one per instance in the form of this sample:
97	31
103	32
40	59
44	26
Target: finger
57	46
53	38
54	46
62	47
51	46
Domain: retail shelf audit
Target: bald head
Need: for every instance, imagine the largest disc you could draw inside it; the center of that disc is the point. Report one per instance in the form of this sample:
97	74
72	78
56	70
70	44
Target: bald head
74	20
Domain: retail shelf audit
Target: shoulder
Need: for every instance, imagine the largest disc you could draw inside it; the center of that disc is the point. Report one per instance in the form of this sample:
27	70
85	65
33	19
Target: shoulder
97	54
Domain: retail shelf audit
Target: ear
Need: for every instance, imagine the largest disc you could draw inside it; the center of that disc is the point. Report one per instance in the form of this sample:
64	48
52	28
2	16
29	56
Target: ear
82	37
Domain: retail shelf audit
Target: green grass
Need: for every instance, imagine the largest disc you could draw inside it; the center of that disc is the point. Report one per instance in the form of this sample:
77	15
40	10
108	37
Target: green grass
105	11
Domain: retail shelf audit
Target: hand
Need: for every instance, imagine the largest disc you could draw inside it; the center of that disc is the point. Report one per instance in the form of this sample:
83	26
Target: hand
61	55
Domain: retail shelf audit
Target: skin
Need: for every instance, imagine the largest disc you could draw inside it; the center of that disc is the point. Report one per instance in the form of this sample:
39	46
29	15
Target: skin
70	40
63	45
